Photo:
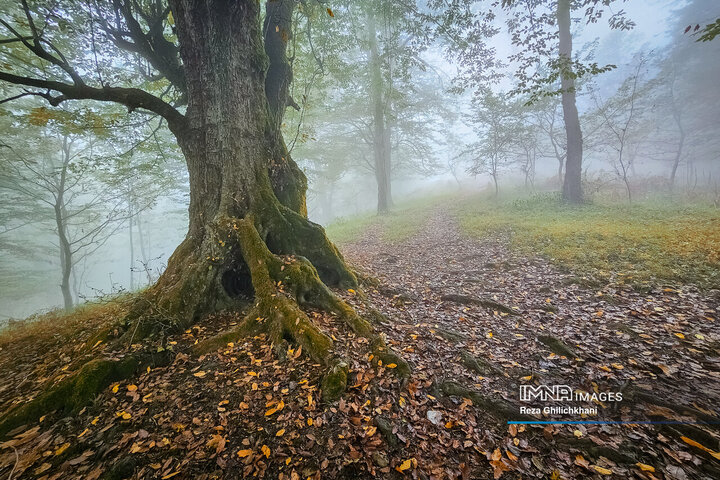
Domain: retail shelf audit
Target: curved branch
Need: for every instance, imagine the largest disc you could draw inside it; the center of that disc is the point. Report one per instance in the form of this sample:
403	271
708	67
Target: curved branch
132	98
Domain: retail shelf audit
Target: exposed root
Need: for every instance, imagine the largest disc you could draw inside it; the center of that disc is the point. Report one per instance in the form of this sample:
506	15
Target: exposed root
335	381
383	356
636	394
479	365
626	454
497	408
483	302
72	393
557	346
386	429
451	335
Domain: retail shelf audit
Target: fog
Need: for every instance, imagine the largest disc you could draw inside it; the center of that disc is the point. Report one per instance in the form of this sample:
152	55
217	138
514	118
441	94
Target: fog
436	141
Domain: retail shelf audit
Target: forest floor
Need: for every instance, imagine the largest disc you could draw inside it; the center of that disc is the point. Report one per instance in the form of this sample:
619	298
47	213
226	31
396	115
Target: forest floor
476	315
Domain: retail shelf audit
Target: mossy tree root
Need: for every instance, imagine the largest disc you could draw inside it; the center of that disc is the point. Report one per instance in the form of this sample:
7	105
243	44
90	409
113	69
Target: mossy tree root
627	454
483	302
71	393
557	346
498	408
281	286
479	365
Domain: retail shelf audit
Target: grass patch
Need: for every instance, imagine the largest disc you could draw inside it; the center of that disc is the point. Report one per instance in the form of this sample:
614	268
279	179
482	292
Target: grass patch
404	221
635	244
60	326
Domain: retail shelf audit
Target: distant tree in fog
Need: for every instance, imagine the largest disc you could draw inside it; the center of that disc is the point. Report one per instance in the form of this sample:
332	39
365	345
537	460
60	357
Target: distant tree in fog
499	125
621	122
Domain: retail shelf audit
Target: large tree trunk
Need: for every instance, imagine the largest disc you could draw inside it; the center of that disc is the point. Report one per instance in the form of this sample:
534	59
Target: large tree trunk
381	140
572	185
244	242
233	146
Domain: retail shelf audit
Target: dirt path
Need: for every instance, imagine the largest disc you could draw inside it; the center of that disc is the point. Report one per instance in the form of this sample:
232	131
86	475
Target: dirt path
660	345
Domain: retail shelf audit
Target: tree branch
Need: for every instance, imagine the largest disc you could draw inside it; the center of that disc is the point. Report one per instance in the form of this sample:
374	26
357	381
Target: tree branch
132	98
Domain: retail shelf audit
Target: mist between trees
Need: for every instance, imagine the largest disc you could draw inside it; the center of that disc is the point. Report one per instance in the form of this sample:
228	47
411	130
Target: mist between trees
388	101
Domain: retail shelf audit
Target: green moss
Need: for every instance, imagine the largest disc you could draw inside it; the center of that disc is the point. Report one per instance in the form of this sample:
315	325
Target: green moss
72	393
334	383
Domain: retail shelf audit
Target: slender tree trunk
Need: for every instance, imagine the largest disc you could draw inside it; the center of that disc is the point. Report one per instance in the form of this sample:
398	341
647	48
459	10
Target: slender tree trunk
561	161
381	140
678	121
132	249
60	224
572	186
65	259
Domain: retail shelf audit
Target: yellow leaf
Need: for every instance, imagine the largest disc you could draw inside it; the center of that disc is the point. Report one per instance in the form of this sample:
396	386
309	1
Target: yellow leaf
244	453
578	433
199	374
330	12
280	432
405	465
602	471
115	388
645	468
692	442
61	449
310	421
266	450
391	365
680	335
126	416
132	388
170	475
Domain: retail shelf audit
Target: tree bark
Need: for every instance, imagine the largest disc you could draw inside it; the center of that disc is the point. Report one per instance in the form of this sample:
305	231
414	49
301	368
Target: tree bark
381	140
232	144
288	181
572	185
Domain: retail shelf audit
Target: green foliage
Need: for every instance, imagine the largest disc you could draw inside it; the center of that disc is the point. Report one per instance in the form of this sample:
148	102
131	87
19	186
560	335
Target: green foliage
709	31
630	244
